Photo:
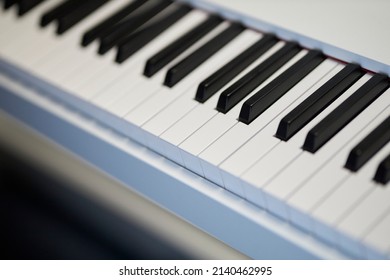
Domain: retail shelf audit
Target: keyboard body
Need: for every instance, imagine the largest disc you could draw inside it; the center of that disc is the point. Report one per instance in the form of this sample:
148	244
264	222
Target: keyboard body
76	125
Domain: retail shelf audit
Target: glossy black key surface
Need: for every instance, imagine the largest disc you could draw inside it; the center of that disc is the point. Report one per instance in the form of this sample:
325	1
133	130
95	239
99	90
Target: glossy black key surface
71	19
221	77
370	145
318	101
173	50
268	95
9	3
59	11
382	174
191	62
345	112
143	36
119	32
244	86
100	29
27	5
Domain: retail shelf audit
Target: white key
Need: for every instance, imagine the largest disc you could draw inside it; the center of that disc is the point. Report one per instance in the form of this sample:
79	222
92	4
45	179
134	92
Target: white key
202	113
362	219
260	144
372	210
58	67
196	143
111	82
170	141
303	197
101	82
7	27
185	102
241	133
84	72
208	134
378	240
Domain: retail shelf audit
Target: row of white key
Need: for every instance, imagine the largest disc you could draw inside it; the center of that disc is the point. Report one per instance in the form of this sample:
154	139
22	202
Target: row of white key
191	149
165	125
170	105
287	182
240	133
264	142
329	191
201	114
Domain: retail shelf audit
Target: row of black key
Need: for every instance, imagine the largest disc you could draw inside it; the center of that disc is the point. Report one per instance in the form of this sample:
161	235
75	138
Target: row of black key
141	21
192	61
23	6
144	35
173	50
120	31
244	86
105	26
71	12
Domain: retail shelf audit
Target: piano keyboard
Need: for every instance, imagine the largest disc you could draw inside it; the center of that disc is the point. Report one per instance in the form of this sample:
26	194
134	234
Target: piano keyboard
286	128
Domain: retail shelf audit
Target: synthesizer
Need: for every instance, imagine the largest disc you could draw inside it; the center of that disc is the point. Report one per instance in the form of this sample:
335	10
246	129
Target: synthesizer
234	115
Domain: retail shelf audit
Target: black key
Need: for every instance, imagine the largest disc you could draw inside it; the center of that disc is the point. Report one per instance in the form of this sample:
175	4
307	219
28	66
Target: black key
345	112
105	25
244	86
140	38
9	3
221	77
370	145
184	67
71	19
318	101
121	31
173	50
27	5
268	95
59	11
382	174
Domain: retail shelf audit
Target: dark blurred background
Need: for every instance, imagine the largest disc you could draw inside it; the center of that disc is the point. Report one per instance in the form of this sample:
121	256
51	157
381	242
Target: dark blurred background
41	218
